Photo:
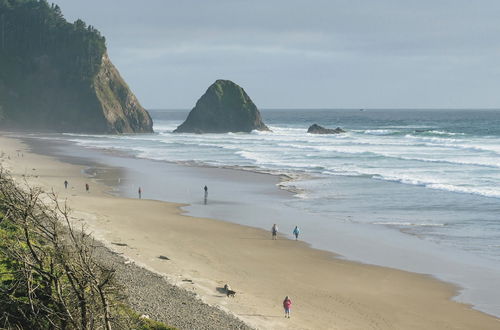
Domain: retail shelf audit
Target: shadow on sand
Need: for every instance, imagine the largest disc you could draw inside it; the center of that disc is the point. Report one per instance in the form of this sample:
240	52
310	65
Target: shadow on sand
261	315
221	290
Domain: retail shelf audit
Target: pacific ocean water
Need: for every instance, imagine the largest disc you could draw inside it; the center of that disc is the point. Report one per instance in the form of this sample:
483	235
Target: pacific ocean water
430	175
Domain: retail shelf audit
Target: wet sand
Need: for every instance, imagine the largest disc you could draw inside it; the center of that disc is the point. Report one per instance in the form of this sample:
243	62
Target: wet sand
327	292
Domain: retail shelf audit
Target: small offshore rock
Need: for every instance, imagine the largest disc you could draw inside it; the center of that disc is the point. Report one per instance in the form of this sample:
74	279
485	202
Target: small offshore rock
316	129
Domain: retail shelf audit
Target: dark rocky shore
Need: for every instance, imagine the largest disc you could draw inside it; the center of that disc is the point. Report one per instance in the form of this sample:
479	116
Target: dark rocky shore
150	294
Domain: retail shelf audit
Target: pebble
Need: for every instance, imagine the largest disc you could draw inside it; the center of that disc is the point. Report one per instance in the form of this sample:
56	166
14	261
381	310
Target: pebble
150	294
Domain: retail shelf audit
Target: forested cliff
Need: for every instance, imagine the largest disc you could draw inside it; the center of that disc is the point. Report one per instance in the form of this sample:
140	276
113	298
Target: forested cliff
56	75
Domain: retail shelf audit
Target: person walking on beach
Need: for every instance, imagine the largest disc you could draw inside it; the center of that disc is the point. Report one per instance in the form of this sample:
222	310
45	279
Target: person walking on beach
139	192
296	232
65	184
274	231
206	194
287	305
87	187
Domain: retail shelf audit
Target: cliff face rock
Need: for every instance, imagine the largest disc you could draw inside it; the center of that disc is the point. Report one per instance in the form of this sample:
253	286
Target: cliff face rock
61	79
121	109
316	129
225	107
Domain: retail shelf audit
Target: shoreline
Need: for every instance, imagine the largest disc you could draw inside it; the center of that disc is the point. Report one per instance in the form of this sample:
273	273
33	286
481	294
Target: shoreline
282	177
356	305
357	241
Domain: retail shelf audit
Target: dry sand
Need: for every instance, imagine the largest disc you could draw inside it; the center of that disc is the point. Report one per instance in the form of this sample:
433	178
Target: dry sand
327	292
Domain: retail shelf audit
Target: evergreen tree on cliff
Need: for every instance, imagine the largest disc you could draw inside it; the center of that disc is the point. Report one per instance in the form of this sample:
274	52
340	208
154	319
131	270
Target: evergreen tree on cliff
225	107
56	75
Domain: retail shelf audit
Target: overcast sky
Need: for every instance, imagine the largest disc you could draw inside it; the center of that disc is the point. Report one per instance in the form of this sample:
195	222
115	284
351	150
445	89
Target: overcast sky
304	53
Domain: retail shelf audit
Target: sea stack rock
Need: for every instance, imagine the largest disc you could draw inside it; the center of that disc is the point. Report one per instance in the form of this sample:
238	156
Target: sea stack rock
56	75
225	107
316	129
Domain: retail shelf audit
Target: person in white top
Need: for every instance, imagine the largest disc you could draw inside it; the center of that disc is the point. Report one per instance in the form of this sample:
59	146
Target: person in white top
274	231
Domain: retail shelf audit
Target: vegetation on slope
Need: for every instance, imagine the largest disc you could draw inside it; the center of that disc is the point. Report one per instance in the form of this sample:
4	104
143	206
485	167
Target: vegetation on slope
49	276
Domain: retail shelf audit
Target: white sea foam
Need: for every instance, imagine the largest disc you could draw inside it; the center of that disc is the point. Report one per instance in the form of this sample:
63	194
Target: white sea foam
379	131
386	153
408	224
437	132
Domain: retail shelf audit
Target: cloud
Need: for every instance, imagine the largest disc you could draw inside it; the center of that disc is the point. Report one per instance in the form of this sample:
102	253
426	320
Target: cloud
291	53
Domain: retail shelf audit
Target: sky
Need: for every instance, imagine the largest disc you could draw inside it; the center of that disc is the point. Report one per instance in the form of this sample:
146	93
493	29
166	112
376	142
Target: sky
304	53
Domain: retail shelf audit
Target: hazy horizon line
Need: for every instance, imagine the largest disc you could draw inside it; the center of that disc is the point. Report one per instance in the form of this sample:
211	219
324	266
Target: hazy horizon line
336	108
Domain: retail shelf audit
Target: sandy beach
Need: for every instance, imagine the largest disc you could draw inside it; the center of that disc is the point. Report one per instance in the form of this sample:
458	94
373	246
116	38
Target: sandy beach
204	254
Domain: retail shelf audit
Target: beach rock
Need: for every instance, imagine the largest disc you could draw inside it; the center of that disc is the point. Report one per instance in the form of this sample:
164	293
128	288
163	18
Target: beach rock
62	79
316	129
225	107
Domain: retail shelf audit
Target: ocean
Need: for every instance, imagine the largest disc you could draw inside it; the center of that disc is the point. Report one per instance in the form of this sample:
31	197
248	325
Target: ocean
426	181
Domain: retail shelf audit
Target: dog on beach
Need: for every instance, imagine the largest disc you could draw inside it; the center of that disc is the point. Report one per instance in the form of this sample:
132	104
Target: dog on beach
229	292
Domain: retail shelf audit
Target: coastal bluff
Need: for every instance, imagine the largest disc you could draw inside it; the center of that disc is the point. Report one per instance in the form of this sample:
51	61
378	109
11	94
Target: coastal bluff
57	76
317	129
122	111
225	107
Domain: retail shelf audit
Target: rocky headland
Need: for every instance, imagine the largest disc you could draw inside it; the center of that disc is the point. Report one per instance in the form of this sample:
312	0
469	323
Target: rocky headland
56	75
225	107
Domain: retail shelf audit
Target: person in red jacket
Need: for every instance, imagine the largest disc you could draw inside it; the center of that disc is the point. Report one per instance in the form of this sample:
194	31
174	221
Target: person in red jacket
287	305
